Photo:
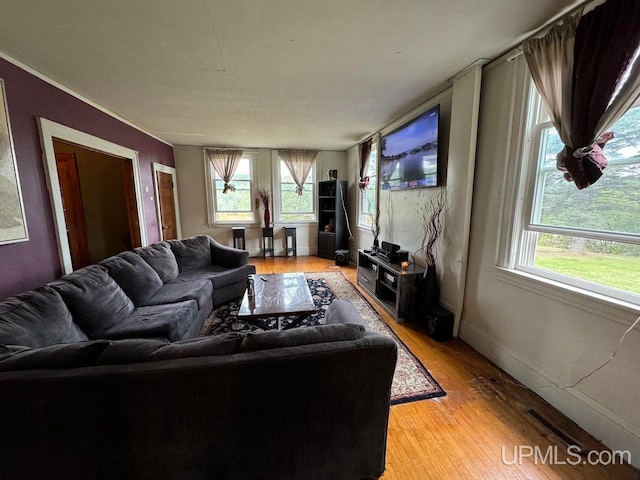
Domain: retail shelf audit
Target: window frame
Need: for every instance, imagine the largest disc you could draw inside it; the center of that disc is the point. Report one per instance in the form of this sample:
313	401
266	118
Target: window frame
212	191
276	162
362	215
521	253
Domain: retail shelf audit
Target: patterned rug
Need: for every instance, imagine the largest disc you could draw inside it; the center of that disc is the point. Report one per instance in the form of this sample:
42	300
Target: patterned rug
411	380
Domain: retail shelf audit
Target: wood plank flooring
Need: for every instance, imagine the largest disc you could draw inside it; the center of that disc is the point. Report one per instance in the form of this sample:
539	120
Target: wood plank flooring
463	434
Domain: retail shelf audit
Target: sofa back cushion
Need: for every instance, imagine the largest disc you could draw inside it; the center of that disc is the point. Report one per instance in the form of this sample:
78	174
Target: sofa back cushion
37	319
301	336
141	350
192	253
69	355
135	276
94	299
160	257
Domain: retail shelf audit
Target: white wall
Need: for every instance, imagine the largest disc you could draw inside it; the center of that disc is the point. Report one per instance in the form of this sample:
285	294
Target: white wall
545	336
190	174
401	211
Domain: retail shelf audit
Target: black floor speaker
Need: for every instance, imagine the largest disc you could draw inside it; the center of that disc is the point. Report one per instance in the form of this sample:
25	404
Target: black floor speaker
342	258
439	324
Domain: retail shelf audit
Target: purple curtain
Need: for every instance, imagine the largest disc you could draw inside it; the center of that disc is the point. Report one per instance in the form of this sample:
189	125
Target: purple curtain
607	39
364	149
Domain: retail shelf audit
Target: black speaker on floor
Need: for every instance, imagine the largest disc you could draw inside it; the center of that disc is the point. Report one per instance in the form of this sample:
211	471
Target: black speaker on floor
439	324
342	258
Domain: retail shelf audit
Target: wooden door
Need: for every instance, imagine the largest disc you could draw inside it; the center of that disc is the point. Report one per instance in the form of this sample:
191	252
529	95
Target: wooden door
73	209
167	206
132	206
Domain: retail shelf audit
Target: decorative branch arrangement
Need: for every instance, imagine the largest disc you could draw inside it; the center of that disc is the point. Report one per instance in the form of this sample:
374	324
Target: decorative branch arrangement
264	196
375	224
432	224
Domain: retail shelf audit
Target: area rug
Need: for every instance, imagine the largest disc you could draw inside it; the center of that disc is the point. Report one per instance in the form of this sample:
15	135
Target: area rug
411	381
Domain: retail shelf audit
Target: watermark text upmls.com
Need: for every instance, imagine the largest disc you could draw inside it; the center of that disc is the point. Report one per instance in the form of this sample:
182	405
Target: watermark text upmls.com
553	455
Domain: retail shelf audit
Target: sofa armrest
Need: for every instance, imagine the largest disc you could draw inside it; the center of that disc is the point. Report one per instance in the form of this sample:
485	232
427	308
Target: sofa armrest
227	256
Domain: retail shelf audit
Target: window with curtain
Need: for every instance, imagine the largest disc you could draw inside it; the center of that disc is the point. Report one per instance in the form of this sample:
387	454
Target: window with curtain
233	206
289	206
585	238
367	198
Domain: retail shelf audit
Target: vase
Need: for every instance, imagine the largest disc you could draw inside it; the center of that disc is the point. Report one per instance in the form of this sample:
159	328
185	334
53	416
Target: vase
267	217
429	292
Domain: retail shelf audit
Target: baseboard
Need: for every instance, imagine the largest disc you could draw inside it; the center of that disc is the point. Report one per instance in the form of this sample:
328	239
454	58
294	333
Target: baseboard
611	429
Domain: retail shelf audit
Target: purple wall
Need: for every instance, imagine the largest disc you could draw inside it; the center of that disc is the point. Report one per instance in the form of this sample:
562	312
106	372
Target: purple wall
29	264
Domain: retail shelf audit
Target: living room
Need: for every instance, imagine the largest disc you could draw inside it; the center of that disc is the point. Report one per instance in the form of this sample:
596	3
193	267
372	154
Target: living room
561	341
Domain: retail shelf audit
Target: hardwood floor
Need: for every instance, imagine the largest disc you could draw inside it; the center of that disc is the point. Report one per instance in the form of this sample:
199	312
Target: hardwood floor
482	419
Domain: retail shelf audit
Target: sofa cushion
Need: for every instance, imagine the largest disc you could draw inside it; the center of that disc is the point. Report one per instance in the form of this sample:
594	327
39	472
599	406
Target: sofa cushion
192	253
160	257
143	350
37	319
219	276
198	290
155	321
94	299
67	355
135	276
132	350
301	336
225	344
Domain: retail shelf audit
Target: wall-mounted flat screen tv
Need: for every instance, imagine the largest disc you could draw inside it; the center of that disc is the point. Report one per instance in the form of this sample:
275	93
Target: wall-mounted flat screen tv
409	155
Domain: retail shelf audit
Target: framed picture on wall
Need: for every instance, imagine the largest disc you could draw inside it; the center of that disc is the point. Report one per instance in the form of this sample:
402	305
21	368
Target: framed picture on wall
13	224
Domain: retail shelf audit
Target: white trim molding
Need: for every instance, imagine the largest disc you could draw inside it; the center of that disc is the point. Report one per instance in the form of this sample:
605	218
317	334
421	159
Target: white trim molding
159	167
49	131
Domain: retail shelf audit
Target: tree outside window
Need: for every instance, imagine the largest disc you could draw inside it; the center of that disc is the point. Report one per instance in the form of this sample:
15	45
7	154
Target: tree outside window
589	236
235	206
294	207
368	197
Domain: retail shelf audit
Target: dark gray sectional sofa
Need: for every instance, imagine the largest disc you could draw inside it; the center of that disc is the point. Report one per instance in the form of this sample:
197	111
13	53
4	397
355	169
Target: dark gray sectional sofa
103	376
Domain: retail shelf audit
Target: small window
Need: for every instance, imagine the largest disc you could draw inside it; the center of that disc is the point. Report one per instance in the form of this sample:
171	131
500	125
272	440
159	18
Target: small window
291	207
234	206
586	238
367	198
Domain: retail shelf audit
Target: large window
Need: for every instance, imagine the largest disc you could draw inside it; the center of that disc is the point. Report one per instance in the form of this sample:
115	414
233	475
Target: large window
233	206
367	200
291	207
587	238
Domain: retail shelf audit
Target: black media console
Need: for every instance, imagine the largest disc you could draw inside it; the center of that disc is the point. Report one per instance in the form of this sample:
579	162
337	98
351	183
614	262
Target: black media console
395	289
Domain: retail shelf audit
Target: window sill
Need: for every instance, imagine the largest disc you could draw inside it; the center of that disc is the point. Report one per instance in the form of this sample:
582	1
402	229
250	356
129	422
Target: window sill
607	307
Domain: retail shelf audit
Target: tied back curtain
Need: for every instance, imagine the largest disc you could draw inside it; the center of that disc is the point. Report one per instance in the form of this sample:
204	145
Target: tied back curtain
299	164
585	72
364	150
225	162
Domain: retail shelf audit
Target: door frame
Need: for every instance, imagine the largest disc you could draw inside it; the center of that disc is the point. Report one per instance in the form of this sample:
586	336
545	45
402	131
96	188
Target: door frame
159	167
49	131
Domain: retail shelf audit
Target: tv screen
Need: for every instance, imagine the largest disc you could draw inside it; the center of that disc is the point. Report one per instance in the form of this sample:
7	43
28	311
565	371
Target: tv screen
409	155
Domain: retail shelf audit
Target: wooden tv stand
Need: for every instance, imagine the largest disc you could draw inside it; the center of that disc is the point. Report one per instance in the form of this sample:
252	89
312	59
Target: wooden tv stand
394	289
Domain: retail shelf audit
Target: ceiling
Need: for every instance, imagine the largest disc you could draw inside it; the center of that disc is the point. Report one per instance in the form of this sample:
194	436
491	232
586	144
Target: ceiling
250	73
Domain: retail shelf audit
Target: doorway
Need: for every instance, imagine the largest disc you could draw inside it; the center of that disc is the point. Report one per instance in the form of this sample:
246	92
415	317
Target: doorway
120	165
97	196
164	179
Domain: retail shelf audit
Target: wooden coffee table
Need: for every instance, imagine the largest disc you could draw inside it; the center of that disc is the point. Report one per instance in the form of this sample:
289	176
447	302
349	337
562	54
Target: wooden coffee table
278	295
